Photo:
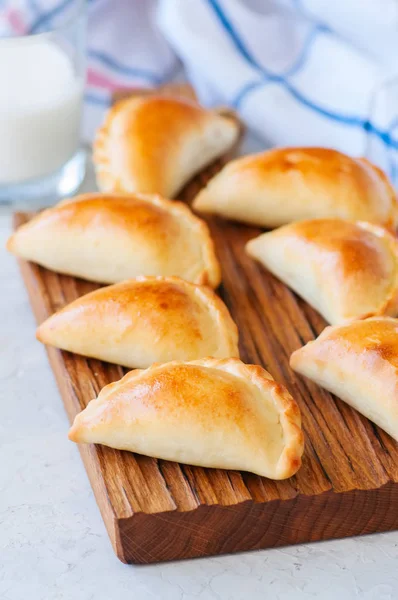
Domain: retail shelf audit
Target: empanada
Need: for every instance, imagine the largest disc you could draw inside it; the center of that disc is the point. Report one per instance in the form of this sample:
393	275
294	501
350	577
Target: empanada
155	144
358	363
292	184
209	412
109	238
345	270
145	320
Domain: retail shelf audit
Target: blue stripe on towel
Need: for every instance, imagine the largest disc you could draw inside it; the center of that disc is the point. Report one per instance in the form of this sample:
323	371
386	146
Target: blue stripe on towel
233	34
299	7
293	70
33	7
349	120
46	18
392	158
393	125
96	99
305	52
253	85
112	63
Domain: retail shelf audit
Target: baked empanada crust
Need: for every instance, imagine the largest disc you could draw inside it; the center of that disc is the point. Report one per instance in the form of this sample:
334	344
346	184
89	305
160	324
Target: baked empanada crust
345	270
112	237
149	319
209	412
357	362
155	144
283	185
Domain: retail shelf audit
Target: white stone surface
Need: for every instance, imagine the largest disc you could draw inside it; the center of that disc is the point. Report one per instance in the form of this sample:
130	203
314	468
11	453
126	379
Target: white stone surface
53	544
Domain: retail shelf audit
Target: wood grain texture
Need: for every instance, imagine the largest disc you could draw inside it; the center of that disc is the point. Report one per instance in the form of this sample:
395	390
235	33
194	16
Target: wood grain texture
156	510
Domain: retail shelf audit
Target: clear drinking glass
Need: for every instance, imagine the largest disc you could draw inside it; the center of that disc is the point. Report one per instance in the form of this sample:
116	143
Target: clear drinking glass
382	136
41	97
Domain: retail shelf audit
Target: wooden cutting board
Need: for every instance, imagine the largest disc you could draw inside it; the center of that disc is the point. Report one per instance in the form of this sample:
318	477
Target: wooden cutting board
157	510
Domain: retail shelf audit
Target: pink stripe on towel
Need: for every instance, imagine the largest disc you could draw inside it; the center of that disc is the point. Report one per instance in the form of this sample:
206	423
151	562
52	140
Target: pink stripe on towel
98	80
15	20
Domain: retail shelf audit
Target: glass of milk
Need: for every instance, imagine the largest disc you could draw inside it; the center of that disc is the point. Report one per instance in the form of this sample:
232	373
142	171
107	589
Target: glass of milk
41	95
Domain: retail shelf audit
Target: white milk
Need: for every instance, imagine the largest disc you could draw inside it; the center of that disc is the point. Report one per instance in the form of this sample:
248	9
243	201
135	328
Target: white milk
40	109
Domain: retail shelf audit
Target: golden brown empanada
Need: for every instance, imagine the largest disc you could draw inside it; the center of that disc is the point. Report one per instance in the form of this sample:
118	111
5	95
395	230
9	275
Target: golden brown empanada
345	270
292	184
145	320
209	412
109	238
155	144
357	362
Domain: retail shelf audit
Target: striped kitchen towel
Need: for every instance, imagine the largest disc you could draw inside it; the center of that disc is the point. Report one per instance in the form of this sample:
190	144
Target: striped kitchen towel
298	71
